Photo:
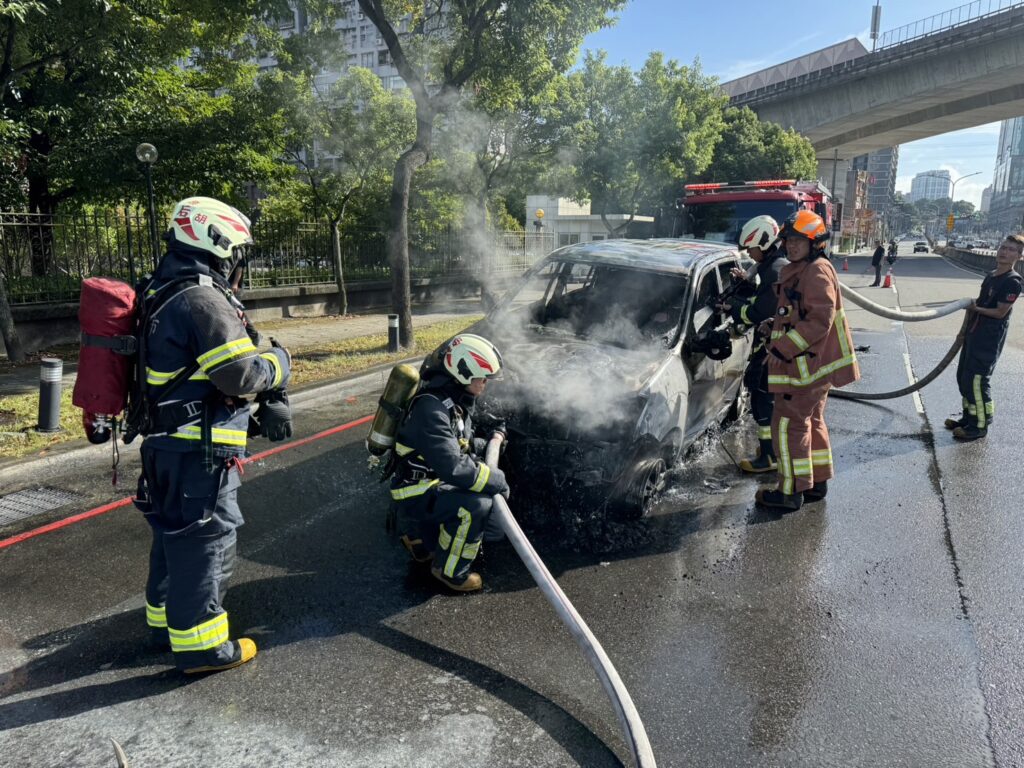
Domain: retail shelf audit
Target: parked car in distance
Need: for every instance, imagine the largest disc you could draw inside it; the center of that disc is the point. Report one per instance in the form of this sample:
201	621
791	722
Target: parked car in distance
983	244
607	382
920	247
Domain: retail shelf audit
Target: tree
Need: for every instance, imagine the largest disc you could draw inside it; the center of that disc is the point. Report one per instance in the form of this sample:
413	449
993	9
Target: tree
642	135
754	149
505	46
354	136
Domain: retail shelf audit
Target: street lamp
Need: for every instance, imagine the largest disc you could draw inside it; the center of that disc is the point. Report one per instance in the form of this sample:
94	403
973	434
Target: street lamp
146	154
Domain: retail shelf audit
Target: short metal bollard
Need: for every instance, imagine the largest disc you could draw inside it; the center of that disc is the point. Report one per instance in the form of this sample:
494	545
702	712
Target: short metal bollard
392	333
51	370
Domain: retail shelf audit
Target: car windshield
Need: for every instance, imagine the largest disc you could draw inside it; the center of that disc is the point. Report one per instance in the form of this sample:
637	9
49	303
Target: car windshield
722	221
613	305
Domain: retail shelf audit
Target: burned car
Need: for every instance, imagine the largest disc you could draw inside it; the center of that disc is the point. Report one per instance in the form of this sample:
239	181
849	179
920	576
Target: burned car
616	361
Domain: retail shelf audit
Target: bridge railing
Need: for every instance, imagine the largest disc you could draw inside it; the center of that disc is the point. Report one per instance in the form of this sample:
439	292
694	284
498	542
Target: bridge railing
940	22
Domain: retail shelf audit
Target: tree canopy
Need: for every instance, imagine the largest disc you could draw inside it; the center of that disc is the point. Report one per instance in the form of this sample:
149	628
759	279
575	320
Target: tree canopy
753	149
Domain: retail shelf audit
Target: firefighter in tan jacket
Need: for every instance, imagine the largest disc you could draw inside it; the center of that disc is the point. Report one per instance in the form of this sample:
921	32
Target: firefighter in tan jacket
810	351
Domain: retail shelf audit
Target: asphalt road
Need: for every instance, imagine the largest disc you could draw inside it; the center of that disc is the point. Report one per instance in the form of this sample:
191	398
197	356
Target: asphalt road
880	627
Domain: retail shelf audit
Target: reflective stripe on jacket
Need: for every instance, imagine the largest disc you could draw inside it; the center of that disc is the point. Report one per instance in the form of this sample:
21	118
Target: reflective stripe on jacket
810	343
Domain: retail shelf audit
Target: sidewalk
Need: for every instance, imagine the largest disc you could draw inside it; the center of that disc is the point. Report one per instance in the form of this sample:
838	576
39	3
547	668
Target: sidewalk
294	333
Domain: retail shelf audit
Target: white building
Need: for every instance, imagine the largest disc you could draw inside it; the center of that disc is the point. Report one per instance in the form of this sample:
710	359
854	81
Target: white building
986	198
930	185
571	222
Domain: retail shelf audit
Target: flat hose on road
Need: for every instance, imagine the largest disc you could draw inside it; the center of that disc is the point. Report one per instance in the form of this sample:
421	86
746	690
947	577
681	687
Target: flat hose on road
897	314
632	728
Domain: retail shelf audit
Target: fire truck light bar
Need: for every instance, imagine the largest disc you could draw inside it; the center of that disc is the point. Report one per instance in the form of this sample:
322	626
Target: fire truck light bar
772	183
762	184
697	187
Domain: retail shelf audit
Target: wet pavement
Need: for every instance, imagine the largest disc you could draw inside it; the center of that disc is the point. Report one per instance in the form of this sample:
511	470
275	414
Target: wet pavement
879	627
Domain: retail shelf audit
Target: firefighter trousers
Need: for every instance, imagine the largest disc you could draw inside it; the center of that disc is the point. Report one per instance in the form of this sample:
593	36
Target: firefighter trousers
193	515
755	379
801	439
977	362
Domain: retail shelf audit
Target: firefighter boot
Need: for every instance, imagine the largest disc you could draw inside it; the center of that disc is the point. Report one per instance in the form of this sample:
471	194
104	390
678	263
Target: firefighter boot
764	462
779	501
472	582
417	551
969	432
818	492
952	423
246	652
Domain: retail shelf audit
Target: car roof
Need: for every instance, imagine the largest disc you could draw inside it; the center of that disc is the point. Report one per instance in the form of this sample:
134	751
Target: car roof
671	255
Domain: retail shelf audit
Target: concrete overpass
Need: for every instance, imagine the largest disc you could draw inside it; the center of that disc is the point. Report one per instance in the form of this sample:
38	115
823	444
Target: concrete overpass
961	76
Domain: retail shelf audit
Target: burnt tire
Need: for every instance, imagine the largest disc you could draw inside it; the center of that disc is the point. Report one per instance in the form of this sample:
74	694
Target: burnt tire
645	483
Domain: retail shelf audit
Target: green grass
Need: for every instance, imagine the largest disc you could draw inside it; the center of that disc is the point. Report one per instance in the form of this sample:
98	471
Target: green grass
18	414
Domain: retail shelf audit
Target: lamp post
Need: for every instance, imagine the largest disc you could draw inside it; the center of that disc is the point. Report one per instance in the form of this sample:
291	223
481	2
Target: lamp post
146	154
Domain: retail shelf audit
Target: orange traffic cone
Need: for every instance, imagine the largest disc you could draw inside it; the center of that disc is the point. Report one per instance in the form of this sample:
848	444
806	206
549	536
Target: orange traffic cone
846	264
888	279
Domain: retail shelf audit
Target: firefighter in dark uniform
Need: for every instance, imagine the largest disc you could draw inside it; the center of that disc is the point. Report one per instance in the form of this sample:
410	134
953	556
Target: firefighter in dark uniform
442	490
984	339
200	361
759	237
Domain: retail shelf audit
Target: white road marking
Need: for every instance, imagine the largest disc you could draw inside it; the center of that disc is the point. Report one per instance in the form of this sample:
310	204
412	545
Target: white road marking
918	403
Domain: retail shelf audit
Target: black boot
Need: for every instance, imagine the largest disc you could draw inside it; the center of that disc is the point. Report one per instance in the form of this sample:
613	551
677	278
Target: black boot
779	501
764	462
818	492
969	432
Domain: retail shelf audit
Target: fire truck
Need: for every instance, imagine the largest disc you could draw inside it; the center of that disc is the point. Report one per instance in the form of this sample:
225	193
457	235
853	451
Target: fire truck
717	210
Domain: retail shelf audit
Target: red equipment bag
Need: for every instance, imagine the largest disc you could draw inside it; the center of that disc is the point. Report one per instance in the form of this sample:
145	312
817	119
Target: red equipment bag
107	314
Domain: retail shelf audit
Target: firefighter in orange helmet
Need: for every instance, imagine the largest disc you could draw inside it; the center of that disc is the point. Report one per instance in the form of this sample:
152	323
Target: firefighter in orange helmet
810	351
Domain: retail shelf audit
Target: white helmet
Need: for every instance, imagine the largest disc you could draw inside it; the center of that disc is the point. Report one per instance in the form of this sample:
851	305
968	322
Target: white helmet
209	225
471	357
759	232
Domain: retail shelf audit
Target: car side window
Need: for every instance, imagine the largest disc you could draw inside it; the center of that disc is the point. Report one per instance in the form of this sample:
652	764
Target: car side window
702	312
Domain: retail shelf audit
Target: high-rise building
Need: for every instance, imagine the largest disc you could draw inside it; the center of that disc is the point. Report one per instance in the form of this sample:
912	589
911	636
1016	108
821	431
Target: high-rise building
881	167
1007	209
930	185
986	199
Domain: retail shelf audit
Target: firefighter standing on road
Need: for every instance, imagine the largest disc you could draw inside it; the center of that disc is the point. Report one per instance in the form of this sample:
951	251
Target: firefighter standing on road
984	339
442	490
810	351
759	237
197	342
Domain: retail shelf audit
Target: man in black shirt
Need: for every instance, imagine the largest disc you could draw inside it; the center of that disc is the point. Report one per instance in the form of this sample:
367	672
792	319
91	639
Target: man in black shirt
876	262
985	336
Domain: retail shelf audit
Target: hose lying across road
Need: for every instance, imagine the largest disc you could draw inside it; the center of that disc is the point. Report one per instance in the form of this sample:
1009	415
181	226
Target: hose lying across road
897	314
625	710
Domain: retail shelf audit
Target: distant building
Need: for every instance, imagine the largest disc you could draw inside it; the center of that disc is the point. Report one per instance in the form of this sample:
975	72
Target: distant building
572	222
1006	210
930	185
986	199
881	167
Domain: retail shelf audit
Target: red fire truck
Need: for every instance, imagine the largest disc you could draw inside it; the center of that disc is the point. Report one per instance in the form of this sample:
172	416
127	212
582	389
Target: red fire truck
717	210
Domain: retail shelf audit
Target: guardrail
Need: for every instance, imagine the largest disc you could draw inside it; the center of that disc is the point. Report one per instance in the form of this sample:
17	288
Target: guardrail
940	22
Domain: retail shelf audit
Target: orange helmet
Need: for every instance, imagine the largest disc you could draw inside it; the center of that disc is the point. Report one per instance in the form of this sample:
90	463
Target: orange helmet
806	224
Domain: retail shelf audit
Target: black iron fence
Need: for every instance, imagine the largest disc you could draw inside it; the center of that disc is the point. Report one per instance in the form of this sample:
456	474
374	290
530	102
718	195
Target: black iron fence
44	258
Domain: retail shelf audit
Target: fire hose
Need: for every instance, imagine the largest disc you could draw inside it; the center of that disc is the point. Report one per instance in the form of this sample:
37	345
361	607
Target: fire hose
622	703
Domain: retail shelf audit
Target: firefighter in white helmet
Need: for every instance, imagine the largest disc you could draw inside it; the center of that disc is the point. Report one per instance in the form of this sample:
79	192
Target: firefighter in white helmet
442	488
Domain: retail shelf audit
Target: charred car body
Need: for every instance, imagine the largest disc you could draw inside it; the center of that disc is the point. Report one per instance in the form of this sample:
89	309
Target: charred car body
616	361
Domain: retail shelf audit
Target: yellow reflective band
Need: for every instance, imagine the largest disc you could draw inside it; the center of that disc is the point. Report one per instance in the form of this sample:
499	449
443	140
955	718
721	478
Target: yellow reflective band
979	403
225	353
796	338
743	313
410	491
801	467
403	450
840	327
156	616
221	436
470	550
460	541
444	539
784	463
778	334
764	433
271	358
801	366
821	373
159	378
483	474
201	637
822	458
990	408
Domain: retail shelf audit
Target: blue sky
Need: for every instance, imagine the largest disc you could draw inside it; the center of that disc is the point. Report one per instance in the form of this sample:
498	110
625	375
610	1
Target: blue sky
728	37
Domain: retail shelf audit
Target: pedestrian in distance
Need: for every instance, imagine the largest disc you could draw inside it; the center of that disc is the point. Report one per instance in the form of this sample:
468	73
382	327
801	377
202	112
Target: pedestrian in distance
810	350
201	361
760	238
876	262
984	339
441	487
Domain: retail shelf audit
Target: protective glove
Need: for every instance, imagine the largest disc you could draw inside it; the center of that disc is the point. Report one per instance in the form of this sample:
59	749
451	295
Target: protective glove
274	416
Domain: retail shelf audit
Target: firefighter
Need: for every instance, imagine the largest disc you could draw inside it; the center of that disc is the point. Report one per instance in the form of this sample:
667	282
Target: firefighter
983	341
759	237
442	490
197	340
810	350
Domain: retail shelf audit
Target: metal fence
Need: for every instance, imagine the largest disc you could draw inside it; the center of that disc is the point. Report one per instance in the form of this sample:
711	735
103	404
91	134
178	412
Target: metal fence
44	258
945	20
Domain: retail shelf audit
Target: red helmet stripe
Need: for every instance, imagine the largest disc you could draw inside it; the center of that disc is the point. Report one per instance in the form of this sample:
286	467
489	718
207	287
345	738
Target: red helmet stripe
238	226
482	362
750	237
186	227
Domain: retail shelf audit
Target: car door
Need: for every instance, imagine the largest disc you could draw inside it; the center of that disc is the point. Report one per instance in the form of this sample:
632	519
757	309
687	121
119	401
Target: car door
732	369
704	373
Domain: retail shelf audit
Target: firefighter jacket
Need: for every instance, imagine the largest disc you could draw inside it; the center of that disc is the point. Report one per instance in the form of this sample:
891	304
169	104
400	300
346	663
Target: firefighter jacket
202	324
435	444
761	306
810	343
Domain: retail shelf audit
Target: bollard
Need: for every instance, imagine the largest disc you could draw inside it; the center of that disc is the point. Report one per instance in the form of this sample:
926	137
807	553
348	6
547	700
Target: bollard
50	372
392	333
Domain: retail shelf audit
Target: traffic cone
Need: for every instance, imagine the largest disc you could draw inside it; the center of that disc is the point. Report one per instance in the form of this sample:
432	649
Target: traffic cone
888	279
846	264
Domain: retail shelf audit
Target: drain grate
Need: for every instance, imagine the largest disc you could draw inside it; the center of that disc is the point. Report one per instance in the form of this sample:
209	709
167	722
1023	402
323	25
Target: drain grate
35	501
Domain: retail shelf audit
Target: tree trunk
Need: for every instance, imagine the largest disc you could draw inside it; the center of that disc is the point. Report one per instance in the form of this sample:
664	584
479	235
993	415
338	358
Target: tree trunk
40	227
339	275
10	334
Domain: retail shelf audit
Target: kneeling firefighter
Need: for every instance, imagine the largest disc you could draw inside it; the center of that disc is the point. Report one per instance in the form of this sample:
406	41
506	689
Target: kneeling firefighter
442	490
810	350
197	359
759	237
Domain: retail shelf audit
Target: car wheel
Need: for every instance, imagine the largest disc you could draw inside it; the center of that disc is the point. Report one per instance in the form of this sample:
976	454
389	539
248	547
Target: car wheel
646	482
